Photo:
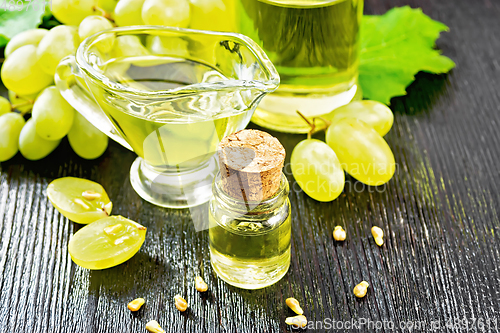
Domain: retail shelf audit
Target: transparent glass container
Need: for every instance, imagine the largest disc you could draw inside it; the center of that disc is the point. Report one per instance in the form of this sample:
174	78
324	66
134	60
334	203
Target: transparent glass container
250	241
314	45
169	95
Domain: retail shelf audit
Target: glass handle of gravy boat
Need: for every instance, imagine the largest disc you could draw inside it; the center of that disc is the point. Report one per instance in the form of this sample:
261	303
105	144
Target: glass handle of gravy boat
73	88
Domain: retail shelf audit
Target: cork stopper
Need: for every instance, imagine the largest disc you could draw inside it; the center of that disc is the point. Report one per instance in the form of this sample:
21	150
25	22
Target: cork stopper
250	165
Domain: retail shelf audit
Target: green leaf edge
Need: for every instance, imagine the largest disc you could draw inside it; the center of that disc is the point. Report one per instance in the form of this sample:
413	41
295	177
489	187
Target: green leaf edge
380	95
9	26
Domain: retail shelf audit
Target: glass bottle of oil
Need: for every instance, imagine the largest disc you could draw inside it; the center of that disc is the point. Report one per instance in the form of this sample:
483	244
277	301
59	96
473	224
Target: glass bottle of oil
250	231
314	45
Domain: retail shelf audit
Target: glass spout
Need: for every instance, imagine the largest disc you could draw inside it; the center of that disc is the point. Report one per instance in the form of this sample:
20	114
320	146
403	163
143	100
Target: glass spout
180	74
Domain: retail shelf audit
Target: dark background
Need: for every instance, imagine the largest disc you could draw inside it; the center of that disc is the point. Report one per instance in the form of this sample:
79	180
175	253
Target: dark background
440	215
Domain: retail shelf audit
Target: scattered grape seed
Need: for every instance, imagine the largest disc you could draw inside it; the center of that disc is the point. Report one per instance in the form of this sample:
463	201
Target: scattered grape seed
378	235
114	229
361	289
297	321
80	202
136	304
294	305
91	195
121	240
200	285
180	303
154	327
339	234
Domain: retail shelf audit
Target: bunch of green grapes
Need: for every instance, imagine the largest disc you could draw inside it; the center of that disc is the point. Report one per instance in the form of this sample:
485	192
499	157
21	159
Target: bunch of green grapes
196	14
28	72
354	144
33	56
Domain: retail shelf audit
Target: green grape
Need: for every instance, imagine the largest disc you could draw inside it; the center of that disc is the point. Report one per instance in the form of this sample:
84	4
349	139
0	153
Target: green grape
375	114
52	114
22	74
128	46
5	106
86	140
23	103
107	5
128	12
167	46
94	24
60	42
11	125
317	170
28	37
173	13
209	15
364	154
32	146
72	12
106	243
80	200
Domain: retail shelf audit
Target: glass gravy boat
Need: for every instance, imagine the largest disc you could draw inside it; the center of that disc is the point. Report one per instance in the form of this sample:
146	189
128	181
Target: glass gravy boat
170	95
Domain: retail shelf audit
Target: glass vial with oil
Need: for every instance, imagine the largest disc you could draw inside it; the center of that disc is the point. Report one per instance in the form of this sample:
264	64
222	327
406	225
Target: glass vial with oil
250	224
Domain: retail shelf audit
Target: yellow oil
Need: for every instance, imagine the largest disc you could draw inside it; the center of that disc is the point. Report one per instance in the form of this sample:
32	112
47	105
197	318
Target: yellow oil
315	48
172	132
250	254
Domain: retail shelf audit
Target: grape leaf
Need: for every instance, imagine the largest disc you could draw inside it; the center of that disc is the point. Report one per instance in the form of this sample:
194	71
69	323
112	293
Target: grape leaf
14	21
396	46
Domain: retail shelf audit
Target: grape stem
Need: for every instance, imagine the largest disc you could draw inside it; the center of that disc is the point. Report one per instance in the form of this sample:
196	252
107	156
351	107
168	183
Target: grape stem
312	124
104	13
18	105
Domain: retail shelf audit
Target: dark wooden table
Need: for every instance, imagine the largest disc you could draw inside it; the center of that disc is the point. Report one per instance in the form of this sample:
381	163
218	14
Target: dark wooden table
439	265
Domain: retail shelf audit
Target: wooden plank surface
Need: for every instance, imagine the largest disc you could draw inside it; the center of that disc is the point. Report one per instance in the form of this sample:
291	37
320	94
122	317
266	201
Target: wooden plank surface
440	214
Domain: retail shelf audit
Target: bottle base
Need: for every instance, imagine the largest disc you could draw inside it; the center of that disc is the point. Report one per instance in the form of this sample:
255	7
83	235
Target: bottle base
278	111
250	274
172	189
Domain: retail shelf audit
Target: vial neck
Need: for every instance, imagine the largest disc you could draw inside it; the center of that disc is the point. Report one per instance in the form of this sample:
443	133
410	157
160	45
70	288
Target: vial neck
246	207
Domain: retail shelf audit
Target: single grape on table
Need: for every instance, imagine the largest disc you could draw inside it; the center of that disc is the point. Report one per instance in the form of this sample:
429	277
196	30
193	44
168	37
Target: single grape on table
106	243
11	124
53	116
28	37
364	154
86	140
375	114
60	42
32	146
22	74
317	170
80	200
